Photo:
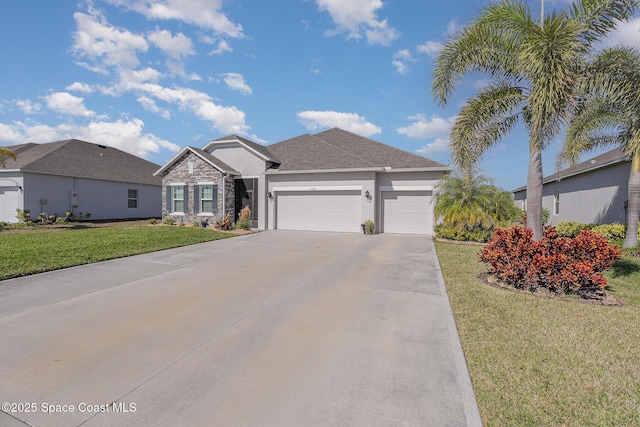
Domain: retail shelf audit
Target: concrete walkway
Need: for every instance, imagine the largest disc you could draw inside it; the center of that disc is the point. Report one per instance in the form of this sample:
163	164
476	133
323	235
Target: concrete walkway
271	329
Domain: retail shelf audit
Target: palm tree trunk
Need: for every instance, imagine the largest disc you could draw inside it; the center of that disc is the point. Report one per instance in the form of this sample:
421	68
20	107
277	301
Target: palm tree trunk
534	194
633	206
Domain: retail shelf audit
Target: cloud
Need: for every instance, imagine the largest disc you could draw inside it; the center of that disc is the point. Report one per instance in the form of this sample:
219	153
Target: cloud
125	135
352	122
431	48
176	47
206	14
150	105
105	44
64	102
80	87
627	34
401	59
236	82
436	128
358	18
27	106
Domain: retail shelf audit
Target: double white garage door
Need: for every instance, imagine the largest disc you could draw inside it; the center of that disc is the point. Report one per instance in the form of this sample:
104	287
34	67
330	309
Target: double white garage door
340	210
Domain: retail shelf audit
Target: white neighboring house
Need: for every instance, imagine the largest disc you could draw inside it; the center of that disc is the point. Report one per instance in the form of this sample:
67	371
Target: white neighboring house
592	192
78	176
330	181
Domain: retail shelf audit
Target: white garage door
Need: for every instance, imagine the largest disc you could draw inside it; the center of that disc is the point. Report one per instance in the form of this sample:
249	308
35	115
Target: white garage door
319	210
408	212
9	201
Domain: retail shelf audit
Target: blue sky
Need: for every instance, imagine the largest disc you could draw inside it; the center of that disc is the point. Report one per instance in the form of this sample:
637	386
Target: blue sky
150	77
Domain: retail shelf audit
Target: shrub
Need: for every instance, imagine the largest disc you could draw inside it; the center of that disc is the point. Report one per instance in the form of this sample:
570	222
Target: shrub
60	220
460	233
244	219
546	214
169	220
369	227
611	232
560	264
152	221
4	225
571	229
224	224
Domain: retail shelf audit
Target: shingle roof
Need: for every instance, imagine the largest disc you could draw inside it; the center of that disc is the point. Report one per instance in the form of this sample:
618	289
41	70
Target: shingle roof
339	149
609	158
257	147
77	158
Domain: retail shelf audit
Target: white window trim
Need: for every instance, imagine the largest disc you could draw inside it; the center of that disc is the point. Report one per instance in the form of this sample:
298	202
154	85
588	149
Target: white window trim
200	184
183	184
137	198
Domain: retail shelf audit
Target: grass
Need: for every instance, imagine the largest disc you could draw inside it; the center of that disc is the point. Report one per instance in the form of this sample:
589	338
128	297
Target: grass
547	362
36	249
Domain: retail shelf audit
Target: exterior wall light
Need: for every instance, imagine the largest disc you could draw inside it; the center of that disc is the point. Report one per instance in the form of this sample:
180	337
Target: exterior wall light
269	195
367	195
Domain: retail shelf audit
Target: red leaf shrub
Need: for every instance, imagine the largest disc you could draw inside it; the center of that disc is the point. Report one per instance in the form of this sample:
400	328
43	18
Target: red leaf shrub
560	264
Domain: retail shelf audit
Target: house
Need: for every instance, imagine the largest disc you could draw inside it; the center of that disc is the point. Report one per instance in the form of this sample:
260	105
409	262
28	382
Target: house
330	181
78	176
592	192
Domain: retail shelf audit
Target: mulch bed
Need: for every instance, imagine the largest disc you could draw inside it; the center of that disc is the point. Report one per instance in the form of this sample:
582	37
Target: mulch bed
599	298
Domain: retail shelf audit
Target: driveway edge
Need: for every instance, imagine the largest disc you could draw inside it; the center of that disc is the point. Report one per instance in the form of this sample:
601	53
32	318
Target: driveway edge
471	410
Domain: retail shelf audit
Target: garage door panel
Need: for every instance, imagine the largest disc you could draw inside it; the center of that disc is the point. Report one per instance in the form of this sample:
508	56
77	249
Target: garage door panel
407	212
319	210
9	200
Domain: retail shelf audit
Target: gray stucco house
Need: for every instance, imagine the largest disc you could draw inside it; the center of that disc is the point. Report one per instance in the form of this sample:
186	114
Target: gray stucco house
330	181
594	191
78	176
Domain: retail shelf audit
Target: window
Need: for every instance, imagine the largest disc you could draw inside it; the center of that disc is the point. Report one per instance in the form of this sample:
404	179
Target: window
206	199
556	203
132	199
178	198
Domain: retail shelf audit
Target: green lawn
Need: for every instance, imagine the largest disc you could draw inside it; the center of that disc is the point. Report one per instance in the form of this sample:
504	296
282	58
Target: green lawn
35	250
547	362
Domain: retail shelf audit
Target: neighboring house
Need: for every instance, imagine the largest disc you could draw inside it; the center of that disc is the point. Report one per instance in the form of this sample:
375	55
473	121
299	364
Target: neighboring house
78	176
331	181
594	191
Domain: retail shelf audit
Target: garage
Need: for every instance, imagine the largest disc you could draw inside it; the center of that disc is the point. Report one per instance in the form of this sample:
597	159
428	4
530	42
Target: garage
407	212
9	200
319	210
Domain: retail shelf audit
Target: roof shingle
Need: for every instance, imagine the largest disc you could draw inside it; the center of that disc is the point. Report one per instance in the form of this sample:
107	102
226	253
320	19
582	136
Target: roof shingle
77	158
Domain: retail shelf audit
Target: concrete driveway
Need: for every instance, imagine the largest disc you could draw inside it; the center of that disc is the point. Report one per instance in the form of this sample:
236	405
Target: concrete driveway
271	329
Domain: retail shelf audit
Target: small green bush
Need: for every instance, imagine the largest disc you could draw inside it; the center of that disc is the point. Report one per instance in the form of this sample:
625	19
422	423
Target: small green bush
460	233
4	225
611	232
369	227
169	220
571	229
244	220
152	221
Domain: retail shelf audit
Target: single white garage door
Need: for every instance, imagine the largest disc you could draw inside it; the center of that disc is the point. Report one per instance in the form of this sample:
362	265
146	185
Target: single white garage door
319	210
9	201
408	212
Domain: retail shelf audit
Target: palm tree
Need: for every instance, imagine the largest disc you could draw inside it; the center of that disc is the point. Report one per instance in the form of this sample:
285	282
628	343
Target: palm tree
536	69
4	154
471	201
610	115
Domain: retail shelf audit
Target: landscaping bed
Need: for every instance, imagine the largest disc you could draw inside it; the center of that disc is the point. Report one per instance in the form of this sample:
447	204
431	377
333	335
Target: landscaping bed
543	361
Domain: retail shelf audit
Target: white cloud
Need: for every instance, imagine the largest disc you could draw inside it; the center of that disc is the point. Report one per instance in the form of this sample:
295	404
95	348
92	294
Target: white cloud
150	105
64	102
27	106
627	34
124	135
223	47
105	44
80	87
453	27
205	14
436	128
352	122
358	17
236	82
176	47
401	60
431	48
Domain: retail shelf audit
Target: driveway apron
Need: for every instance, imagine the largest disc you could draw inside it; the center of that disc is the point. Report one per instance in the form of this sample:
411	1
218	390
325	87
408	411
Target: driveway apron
275	328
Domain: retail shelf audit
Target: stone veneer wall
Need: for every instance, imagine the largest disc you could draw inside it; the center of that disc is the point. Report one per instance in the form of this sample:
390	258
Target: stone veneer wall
202	172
